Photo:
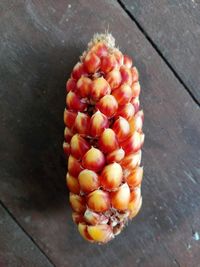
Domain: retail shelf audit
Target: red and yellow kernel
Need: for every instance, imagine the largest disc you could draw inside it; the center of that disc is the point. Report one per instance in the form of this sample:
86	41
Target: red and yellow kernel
74	166
82	123
99	122
120	199
78	71
78	146
98	88
115	156
122	128
111	176
88	181
100	49
92	62
136	123
77	203
83	86
100	233
107	105
69	118
82	227
136	103
131	161
108	141
114	78
73	102
126	111
68	134
135	177
132	143
135	202
126	75
123	94
119	57
93	160
98	201
108	63
136	89
70	85
73	184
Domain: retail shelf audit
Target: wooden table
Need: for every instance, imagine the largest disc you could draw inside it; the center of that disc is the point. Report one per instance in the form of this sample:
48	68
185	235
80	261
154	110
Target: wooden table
40	43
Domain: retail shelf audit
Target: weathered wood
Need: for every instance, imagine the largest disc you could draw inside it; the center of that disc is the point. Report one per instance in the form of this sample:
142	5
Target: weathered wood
40	44
174	28
16	249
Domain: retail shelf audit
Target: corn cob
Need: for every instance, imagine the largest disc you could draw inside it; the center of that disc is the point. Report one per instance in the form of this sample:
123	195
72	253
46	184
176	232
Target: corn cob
103	140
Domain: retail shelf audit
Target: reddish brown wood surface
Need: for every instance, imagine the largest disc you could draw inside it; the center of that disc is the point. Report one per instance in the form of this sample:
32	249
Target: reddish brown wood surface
16	249
40	44
174	28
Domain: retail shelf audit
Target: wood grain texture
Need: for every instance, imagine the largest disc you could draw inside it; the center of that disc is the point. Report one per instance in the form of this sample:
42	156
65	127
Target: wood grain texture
40	44
16	249
174	28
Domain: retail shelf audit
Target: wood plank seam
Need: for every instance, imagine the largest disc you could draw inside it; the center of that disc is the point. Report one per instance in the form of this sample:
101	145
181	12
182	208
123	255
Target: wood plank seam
26	233
123	6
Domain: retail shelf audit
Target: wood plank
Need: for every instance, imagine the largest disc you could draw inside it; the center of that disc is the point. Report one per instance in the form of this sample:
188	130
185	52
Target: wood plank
174	28
40	44
16	249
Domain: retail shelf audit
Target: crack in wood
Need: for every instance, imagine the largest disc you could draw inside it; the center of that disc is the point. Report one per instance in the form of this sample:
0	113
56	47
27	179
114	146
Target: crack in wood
177	263
123	6
26	233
